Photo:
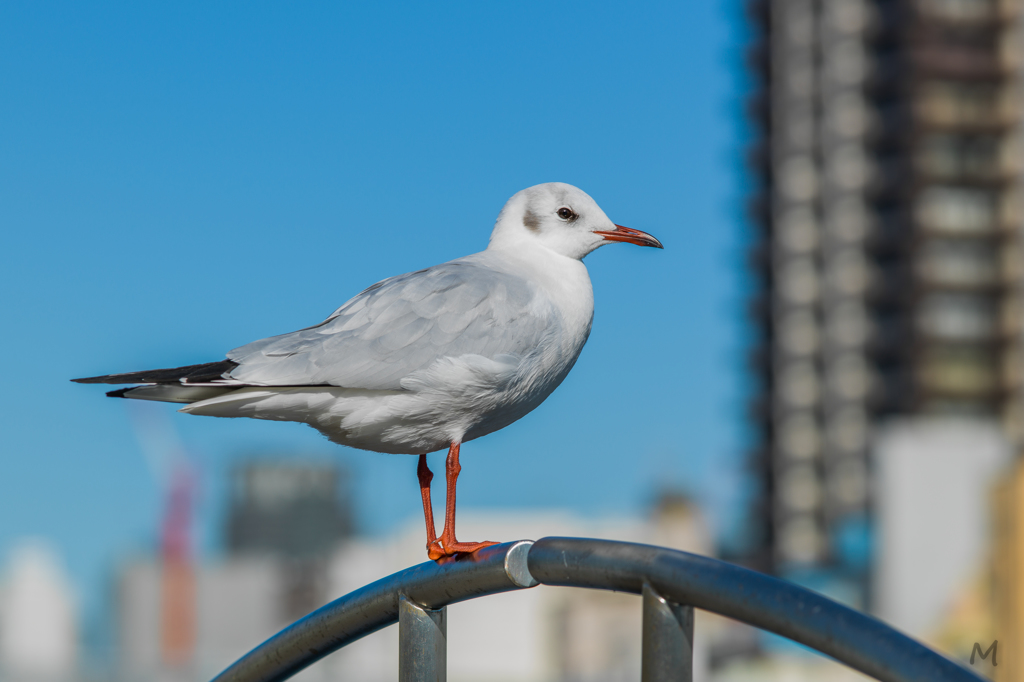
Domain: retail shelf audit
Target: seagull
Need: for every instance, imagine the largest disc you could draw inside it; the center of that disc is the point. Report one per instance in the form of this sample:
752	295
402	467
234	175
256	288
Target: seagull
426	360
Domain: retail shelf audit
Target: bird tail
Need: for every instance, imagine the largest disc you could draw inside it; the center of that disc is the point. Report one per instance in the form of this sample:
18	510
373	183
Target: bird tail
174	385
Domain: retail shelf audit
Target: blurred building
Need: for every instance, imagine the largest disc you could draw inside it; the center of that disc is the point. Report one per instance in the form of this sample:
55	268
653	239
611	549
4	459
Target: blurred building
285	509
886	254
932	576
182	620
38	617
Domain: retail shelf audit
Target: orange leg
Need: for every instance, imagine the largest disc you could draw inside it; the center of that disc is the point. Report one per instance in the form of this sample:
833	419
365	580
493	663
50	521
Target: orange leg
425	476
447	545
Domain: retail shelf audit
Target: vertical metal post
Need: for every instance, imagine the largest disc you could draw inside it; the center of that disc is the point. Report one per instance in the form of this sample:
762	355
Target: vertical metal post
667	650
422	643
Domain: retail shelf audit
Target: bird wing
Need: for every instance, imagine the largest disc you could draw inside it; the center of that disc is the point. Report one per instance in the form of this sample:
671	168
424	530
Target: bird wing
402	325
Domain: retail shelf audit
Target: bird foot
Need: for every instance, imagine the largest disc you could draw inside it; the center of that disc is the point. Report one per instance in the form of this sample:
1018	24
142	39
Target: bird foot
438	549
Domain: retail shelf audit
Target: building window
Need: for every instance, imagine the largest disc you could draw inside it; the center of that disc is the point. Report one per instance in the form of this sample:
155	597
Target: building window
799	489
849	167
949	156
965	11
848	324
798	384
957	316
958	370
798	178
957	406
848	430
798	333
799	436
798	230
953	262
848	114
946	103
848	481
850	376
956	210
849	272
849	219
800	540
798	281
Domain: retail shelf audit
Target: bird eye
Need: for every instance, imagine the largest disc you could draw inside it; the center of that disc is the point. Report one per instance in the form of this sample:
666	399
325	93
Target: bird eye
565	213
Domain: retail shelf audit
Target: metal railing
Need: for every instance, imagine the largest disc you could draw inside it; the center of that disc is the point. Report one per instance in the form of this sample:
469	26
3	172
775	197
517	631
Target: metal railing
672	584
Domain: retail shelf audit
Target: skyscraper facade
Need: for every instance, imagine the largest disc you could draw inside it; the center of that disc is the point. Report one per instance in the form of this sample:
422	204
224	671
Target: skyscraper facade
886	254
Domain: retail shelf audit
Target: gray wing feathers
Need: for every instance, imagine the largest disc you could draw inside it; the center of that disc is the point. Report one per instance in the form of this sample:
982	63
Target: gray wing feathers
402	325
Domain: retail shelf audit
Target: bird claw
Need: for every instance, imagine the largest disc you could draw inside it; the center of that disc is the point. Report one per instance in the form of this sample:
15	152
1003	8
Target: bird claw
438	550
435	551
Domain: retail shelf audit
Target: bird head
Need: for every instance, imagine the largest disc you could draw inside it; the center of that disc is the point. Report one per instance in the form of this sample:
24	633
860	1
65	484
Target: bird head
563	219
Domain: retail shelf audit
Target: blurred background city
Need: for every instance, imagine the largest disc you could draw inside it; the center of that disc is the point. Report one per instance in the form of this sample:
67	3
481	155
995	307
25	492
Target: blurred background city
833	380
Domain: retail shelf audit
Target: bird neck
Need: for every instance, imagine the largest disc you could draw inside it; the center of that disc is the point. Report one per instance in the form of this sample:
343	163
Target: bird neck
565	280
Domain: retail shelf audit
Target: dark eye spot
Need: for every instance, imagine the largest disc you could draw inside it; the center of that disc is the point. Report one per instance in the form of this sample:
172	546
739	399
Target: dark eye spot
566	213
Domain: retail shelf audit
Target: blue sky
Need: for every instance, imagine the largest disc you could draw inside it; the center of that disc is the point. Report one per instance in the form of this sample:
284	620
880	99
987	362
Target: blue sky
179	180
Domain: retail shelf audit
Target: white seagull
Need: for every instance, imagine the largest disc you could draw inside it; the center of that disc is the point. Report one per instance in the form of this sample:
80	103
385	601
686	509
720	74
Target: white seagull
427	360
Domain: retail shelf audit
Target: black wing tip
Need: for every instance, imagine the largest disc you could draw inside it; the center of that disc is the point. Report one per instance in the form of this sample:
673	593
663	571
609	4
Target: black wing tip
93	380
119	393
208	371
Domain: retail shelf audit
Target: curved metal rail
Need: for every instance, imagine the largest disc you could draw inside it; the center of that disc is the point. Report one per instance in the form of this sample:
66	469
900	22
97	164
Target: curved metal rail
667	579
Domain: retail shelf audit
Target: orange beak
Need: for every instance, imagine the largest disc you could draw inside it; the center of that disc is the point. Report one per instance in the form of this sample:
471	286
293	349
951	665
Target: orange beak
628	234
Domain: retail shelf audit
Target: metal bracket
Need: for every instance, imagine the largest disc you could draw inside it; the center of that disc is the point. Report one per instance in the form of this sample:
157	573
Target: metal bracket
667	649
422	642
